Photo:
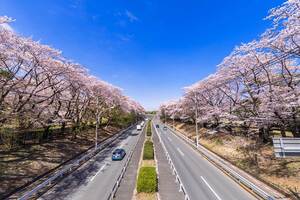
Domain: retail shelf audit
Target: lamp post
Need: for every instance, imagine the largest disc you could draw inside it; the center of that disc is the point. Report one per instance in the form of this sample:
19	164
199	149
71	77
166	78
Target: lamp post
196	124
97	124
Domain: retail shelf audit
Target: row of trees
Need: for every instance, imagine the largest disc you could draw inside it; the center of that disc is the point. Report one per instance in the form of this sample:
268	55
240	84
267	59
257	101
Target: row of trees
256	85
40	88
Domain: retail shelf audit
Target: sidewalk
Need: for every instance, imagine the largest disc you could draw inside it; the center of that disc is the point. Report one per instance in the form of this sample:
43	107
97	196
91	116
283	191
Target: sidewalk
168	189
127	185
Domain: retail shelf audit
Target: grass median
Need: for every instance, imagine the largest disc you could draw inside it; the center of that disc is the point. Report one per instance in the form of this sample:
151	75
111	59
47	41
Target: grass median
147	180
148	151
149	132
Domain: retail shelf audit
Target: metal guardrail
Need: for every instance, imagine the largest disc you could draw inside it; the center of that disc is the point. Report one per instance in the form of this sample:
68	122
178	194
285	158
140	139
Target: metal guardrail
286	147
174	171
68	168
216	160
121	175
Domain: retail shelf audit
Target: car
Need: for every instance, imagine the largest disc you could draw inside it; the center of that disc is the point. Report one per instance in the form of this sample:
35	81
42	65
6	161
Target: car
138	127
118	154
157	126
165	128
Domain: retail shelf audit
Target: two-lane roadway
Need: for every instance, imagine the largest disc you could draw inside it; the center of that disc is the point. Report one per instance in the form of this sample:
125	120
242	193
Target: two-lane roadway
201	179
95	179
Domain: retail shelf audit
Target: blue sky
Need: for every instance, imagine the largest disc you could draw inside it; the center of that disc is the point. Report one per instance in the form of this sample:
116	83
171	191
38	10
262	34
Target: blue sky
150	48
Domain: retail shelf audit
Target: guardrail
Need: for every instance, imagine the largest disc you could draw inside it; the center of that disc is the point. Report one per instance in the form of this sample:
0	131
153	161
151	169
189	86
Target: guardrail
286	147
174	171
217	161
121	175
68	168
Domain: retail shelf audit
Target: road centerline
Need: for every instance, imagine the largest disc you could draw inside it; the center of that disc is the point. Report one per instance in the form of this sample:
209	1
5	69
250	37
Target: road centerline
180	151
211	189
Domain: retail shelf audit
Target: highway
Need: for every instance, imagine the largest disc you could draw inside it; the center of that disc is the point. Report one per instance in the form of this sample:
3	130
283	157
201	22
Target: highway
201	179
96	178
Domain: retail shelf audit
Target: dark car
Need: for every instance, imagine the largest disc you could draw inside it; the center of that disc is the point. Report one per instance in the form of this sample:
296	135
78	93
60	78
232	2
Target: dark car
118	154
157	126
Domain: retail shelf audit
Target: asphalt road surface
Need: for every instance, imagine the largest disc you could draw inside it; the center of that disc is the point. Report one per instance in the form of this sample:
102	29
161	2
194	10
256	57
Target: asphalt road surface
201	179
95	179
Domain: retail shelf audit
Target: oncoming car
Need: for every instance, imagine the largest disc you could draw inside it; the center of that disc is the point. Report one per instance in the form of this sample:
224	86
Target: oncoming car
118	154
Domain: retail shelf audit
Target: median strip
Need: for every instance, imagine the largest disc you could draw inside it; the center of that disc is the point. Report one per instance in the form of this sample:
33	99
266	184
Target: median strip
147	180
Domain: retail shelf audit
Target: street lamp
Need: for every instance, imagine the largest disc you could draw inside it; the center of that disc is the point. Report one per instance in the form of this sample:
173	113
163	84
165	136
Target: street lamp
196	124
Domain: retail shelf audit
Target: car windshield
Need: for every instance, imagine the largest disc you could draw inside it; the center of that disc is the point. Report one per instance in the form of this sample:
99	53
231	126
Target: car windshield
117	151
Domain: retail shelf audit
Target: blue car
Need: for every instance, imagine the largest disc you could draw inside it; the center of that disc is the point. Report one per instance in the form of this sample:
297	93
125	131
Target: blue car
118	154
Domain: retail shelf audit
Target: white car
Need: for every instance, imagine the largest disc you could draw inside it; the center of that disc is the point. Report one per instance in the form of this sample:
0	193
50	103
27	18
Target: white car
138	127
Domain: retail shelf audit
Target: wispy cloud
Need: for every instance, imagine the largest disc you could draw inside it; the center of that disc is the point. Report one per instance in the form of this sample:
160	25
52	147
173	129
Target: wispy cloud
131	16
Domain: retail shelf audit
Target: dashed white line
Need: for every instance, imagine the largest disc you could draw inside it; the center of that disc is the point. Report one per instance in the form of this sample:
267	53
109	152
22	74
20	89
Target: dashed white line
180	151
217	196
100	170
170	139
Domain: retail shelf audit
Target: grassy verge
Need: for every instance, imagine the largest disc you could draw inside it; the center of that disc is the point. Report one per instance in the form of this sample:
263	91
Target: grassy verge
147	180
148	153
149	131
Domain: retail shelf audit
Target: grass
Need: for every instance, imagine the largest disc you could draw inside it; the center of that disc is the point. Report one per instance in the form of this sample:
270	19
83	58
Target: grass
149	132
147	180
148	151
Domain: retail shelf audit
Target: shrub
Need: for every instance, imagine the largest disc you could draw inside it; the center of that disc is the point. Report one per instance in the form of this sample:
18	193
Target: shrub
148	151
147	180
149	132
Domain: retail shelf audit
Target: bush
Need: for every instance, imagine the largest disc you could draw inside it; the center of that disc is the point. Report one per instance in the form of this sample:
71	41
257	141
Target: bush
149	132
148	151
147	180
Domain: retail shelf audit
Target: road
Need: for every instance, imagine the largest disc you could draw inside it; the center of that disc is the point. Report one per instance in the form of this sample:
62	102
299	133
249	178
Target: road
96	178
201	178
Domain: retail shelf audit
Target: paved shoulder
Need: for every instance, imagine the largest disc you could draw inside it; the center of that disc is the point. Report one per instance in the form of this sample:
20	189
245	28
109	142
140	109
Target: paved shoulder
168	189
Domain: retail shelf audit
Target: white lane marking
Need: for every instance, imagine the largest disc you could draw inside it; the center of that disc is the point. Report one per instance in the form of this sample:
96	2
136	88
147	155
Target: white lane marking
180	151
170	139
100	170
203	179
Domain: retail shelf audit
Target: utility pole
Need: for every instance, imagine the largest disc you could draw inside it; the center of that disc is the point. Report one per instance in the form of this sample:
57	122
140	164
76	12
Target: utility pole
97	124
196	124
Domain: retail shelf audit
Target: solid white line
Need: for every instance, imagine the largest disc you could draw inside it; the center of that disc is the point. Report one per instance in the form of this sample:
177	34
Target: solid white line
180	151
210	188
100	170
170	139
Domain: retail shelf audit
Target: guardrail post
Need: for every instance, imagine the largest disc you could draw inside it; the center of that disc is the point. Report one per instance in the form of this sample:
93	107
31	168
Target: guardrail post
282	147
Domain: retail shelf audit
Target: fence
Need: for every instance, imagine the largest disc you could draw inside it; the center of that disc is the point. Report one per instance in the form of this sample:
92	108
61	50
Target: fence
286	147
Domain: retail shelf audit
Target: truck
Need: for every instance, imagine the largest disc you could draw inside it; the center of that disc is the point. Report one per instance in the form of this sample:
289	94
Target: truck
138	127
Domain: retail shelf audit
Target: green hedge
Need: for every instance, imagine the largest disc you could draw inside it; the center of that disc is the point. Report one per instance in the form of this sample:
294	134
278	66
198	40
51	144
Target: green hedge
149	132
147	180
148	151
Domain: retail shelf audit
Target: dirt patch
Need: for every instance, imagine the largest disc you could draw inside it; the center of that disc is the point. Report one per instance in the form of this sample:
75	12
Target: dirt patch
256	159
148	163
146	196
20	166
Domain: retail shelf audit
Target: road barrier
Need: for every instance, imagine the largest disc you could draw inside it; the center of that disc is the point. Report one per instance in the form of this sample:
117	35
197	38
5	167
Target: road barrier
286	147
73	165
121	175
224	166
174	171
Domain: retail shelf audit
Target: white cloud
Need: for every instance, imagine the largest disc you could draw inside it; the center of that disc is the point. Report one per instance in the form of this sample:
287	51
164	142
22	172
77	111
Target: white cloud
131	16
